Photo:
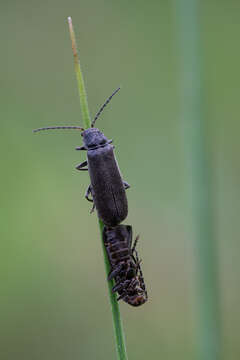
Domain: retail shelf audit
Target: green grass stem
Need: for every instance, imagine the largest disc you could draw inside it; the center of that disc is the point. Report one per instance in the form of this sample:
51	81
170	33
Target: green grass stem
117	323
199	184
80	81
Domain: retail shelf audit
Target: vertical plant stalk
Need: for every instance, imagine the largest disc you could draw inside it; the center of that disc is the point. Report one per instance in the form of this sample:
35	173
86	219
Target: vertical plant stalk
197	156
117	323
80	81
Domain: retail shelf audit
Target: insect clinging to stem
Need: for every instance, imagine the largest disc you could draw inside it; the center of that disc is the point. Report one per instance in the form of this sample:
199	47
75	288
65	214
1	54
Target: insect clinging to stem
107	188
125	265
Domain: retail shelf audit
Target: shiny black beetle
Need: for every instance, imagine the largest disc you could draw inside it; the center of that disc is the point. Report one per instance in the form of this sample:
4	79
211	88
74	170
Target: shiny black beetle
107	186
125	265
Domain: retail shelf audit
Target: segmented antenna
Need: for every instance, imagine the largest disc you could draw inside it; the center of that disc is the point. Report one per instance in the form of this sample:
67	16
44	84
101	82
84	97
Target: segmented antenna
103	106
59	127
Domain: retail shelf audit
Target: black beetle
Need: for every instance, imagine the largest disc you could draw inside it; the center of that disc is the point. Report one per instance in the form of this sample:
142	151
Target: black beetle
107	186
125	265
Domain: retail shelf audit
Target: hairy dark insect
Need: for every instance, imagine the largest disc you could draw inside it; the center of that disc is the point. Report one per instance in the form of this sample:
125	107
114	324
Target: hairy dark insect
125	265
107	188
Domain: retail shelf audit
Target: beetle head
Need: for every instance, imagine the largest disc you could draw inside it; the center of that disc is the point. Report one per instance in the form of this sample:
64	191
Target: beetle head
93	137
136	299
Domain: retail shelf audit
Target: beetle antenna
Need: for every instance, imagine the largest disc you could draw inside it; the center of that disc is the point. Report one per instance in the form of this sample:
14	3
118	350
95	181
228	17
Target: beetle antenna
59	127
103	106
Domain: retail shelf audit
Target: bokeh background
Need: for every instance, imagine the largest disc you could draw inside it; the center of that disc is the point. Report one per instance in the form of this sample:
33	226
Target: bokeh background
53	296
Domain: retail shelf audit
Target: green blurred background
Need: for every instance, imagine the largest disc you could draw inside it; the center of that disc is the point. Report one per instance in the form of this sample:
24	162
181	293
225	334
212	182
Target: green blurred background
54	302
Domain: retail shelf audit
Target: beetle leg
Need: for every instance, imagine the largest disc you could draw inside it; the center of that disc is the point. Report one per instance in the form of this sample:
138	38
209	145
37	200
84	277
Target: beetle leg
122	296
126	284
135	244
93	208
117	287
88	192
82	166
134	282
133	250
135	258
121	286
115	272
80	148
141	278
126	185
138	264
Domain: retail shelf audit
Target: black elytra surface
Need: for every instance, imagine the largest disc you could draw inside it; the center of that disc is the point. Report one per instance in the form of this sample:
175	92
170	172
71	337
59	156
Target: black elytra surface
107	187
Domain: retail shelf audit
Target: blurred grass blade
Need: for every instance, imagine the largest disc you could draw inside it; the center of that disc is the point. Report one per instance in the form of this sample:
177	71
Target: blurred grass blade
117	323
197	156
